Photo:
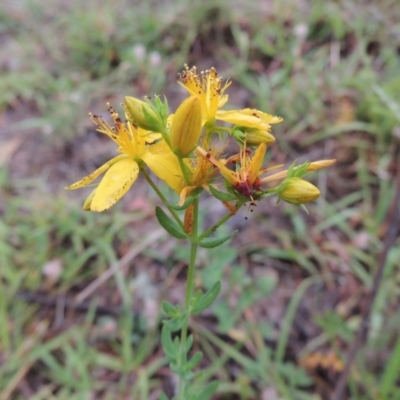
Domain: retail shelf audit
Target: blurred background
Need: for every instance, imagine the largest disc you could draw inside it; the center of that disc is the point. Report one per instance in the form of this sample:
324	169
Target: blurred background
80	292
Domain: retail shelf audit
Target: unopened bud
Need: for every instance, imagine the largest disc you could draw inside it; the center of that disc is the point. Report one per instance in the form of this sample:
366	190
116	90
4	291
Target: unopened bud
297	191
254	137
143	114
186	126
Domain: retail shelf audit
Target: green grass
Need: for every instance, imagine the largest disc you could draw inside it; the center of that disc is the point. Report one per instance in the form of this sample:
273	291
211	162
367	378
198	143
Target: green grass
292	283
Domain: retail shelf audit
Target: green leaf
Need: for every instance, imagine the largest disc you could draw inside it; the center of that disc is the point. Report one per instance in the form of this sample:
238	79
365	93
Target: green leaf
185	375
196	297
391	373
175	324
210	243
189	200
198	356
207	299
169	225
222	196
266	284
163	396
189	343
208	391
171	310
168	344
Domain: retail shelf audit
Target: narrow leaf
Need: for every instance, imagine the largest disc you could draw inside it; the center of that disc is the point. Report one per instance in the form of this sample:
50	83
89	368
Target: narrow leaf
175	324
222	196
208	391
189	343
167	344
175	368
169	225
169	309
207	299
184	206
177	344
214	242
189	200
198	356
391	373
163	396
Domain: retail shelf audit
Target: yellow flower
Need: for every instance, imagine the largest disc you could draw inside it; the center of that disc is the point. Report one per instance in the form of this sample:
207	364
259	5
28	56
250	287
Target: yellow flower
208	87
298	191
202	167
245	180
136	146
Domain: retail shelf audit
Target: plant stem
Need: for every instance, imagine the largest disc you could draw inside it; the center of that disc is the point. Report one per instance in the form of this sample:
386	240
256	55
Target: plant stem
189	294
162	197
225	218
184	170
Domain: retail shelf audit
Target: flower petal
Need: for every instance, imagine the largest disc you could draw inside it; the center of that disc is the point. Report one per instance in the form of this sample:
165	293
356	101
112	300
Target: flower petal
316	165
237	117
256	162
91	177
164	164
88	201
115	183
223	100
249	117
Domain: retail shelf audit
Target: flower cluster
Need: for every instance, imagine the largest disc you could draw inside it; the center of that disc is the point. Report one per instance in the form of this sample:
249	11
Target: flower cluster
187	149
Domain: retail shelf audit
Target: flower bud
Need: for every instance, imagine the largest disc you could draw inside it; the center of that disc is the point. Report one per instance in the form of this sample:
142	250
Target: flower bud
186	126
297	191
254	137
143	114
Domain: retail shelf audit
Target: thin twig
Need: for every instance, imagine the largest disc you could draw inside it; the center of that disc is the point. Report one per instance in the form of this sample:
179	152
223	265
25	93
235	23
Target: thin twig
393	223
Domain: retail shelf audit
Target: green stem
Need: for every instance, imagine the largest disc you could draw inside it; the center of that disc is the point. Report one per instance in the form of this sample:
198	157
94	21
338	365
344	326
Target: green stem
184	170
189	294
225	218
162	197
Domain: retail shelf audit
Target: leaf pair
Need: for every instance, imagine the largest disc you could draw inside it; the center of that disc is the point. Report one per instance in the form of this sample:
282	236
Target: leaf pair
177	231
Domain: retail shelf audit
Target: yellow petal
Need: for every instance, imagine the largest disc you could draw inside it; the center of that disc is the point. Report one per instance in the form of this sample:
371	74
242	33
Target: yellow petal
236	117
249	117
88	201
223	100
165	165
267	118
278	175
90	178
316	165
228	174
256	162
186	128
264	117
115	183
184	193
